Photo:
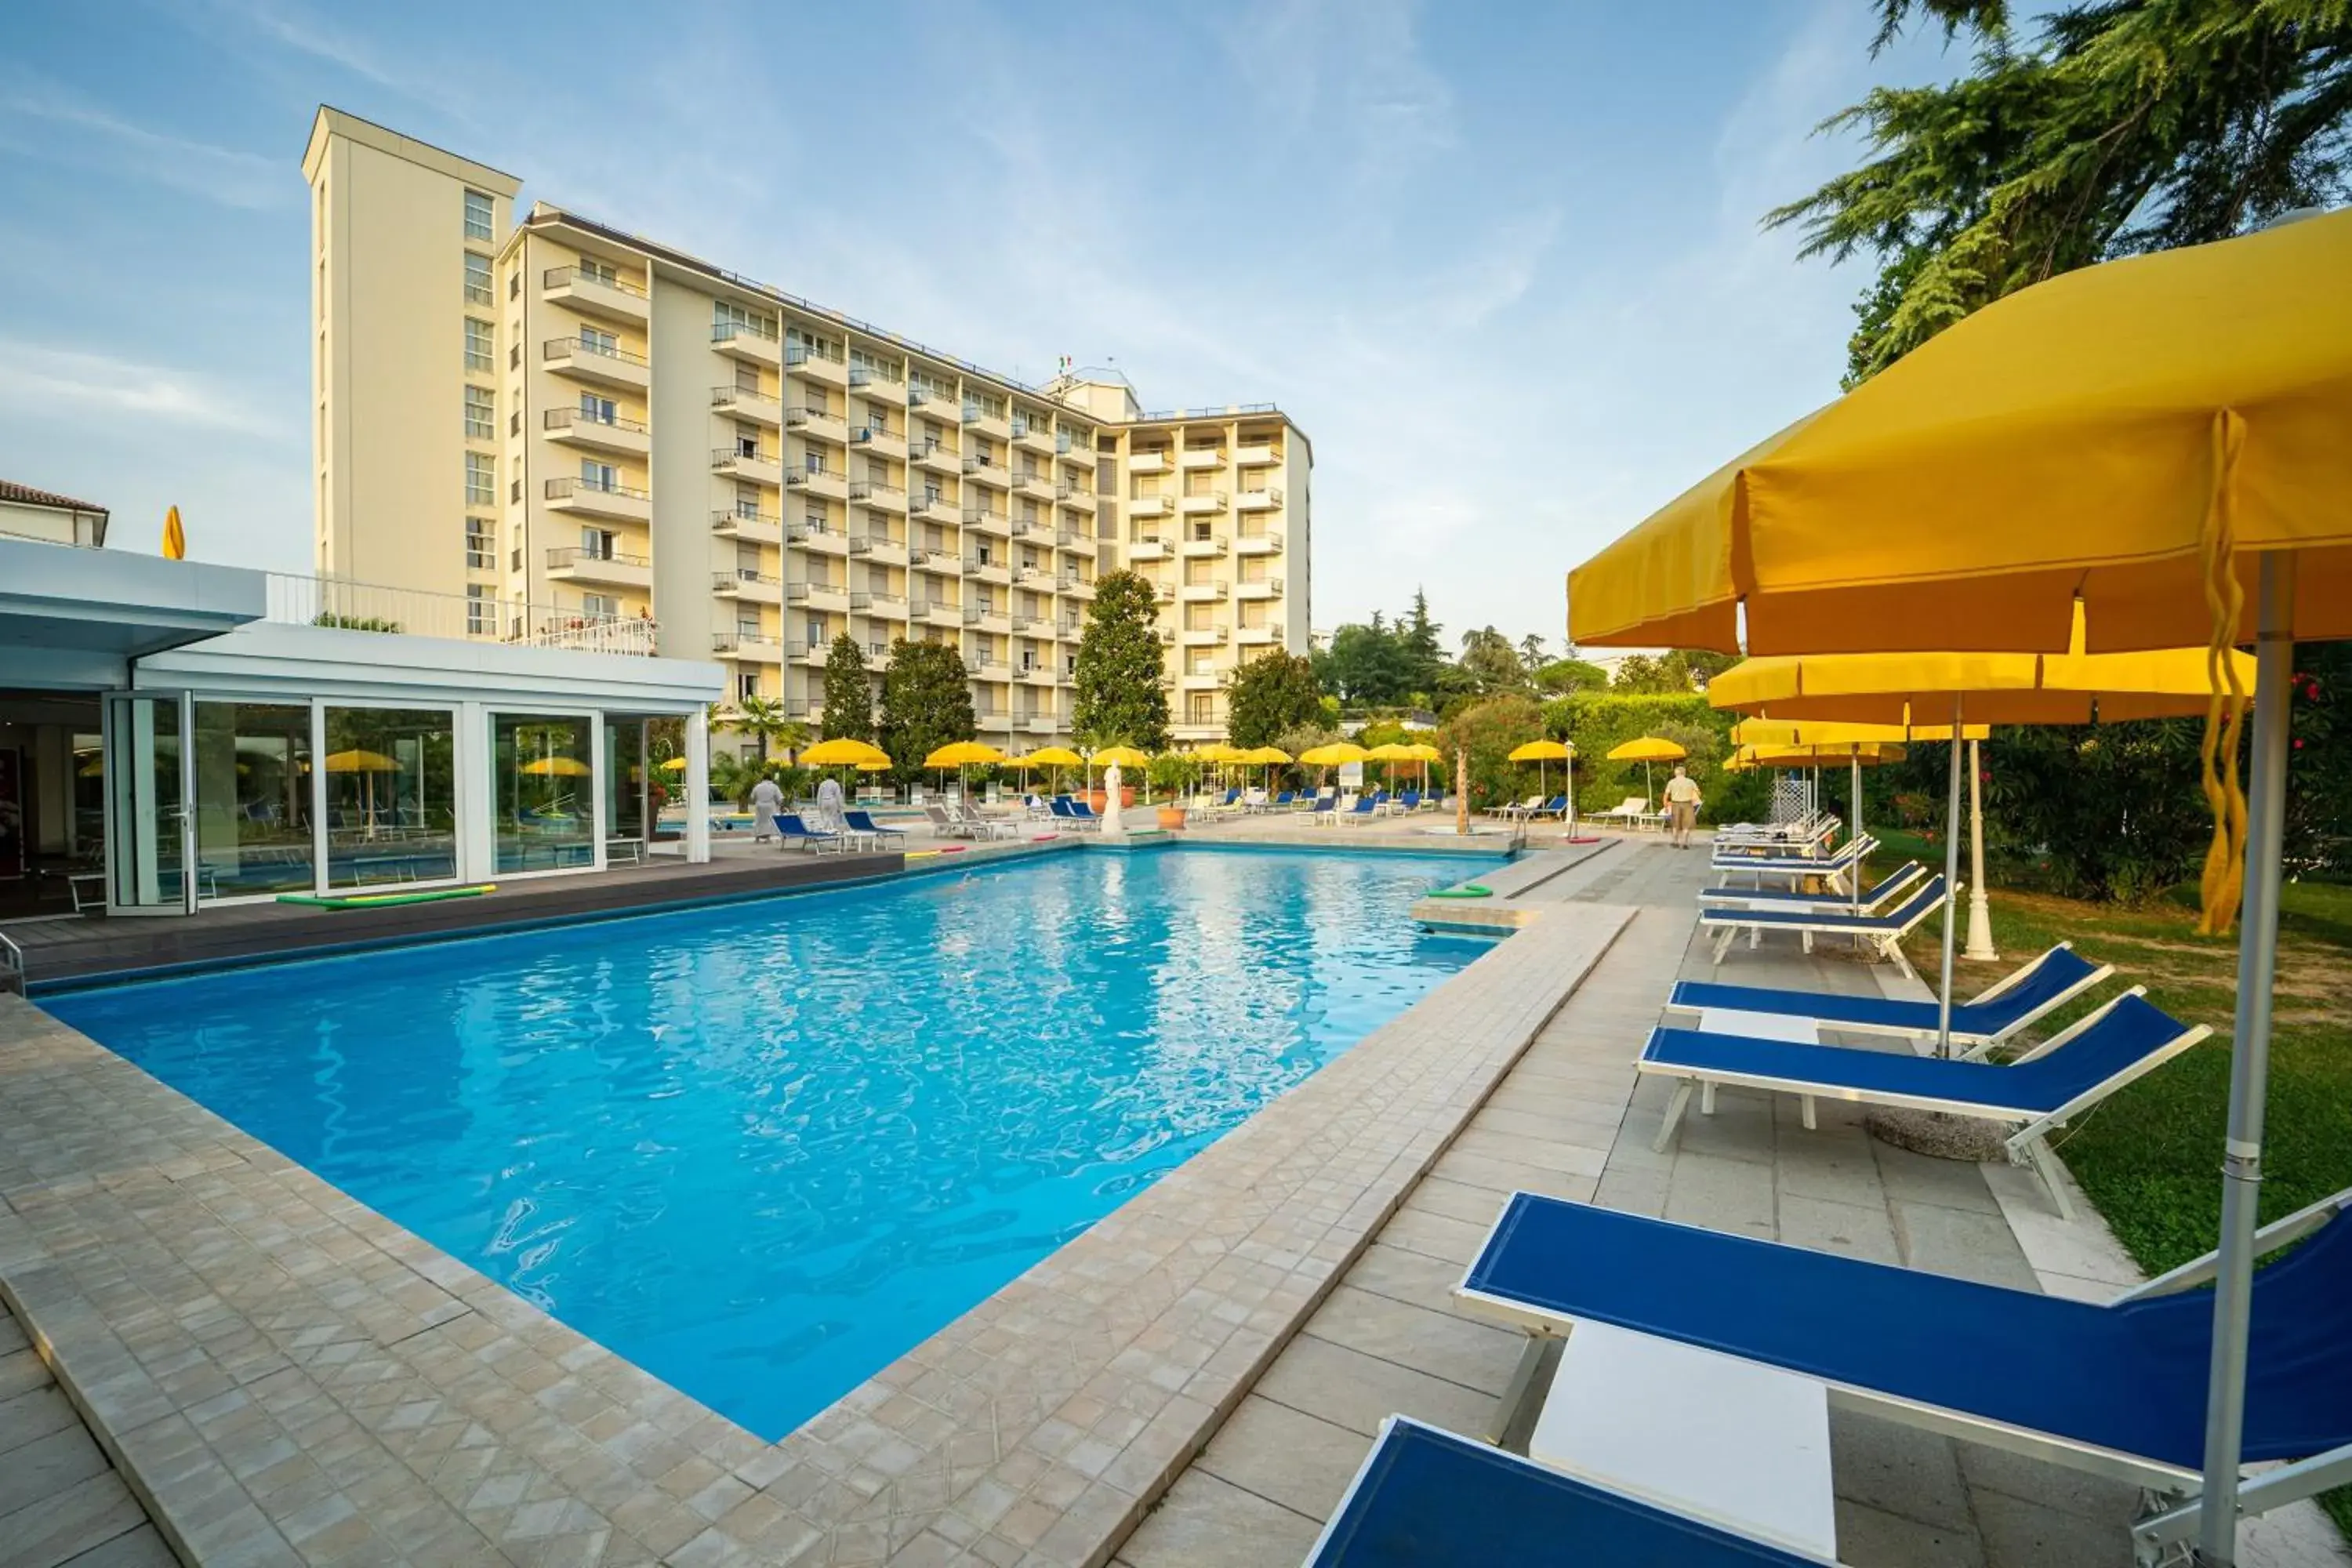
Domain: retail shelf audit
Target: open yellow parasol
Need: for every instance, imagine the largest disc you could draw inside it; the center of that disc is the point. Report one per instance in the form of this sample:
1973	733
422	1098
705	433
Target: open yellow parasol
845	752
1647	750
1541	753
964	754
557	767
1125	756
358	762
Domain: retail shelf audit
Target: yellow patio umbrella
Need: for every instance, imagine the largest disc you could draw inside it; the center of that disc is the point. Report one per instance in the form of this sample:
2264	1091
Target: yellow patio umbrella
964	754
1540	753
1333	754
1216	753
1266	757
556	767
673	765
1828	732
845	752
2166	438
358	762
1056	758
1424	753
1392	752
175	538
1647	750
1125	756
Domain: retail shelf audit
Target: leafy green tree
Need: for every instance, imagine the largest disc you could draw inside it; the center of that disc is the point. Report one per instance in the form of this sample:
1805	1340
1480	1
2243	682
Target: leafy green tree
926	704
1368	664
1122	693
2116	126
1565	675
1493	661
1423	645
1490	730
765	720
1639	675
1694	667
1531	651
1268	695
849	699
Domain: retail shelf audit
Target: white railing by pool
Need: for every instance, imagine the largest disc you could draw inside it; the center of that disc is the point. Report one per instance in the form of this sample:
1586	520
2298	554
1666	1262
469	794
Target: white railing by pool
417	612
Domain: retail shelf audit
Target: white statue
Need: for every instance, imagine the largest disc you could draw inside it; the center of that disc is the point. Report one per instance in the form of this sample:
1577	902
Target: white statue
1110	800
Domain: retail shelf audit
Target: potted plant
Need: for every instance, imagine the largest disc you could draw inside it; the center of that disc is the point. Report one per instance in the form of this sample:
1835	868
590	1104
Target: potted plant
1171	774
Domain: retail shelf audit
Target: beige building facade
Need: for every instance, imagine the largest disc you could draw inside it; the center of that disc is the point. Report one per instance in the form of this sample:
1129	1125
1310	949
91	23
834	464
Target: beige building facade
541	410
29	513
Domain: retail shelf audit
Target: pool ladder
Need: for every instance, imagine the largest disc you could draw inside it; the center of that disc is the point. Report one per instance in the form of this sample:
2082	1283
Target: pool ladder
12	965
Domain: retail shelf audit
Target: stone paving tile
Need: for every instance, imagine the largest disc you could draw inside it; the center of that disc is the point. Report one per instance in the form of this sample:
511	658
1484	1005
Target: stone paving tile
1206	1522
300	1380
1285	1456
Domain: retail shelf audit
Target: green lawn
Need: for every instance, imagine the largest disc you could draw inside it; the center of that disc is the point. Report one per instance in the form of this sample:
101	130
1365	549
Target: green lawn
2150	1157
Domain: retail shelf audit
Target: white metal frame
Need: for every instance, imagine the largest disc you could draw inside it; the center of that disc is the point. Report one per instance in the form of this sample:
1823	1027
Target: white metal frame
1979	1043
1877	931
1893	887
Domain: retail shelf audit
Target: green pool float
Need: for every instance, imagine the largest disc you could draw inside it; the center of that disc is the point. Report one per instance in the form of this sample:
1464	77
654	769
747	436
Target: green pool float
1467	890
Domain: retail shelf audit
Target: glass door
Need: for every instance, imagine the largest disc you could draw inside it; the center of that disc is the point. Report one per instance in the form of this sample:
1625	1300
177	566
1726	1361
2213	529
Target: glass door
150	849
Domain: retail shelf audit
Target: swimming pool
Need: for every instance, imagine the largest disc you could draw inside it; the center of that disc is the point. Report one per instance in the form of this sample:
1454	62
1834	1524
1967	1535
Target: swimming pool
762	1149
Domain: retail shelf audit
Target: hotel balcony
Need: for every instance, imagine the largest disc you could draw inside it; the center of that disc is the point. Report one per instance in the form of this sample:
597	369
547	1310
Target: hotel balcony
934	456
1041	724
748	527
1164	591
1200	458
831	483
878	655
1081	497
1147	550
741	340
980	520
596	364
1069	628
986	618
1037	674
1022	527
980	424
878	496
880	607
880	443
1203	592
758	467
943	406
990	669
822	541
1267	543
590	295
937	561
1168	636
1198	549
1202	506
1029	627
1257	456
576	427
579	498
745	583
818	595
1031	436
749	647
871	385
1077	588
1034	482
817	424
1254	636
1259	588
991	571
1205	636
1266	499
573	564
981	471
811	656
815	367
1151	506
737	403
882	549
1067	538
1147	463
931	508
938	613
1200	680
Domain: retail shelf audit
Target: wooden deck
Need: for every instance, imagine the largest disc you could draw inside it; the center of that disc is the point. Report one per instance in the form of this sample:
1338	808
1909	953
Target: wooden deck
88	947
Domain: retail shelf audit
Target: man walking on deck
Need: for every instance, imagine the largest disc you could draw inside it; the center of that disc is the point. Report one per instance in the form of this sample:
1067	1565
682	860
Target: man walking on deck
1682	806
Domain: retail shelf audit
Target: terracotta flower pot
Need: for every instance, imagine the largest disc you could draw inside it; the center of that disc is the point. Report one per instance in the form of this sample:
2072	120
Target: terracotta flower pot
1171	816
1098	800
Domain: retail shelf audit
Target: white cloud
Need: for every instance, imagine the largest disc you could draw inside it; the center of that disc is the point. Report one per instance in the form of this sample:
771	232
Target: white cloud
57	125
37	381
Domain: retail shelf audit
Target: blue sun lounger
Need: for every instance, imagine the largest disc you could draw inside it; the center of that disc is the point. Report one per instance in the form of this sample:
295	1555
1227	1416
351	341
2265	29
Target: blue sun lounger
1888	886
2062	1078
1999	1011
1884	931
791	829
863	822
1785	864
2116	1390
1427	1498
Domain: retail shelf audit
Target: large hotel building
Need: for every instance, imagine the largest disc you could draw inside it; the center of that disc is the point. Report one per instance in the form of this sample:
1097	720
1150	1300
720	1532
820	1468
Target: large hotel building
558	421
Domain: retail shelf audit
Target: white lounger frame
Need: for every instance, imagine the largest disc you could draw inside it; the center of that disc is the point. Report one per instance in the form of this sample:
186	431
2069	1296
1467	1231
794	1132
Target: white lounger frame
2027	1142
2152	1536
1846	857
1831	902
1979	1044
1888	940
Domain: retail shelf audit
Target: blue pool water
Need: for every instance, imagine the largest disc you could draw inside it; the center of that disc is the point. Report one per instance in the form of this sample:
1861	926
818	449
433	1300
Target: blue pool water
762	1149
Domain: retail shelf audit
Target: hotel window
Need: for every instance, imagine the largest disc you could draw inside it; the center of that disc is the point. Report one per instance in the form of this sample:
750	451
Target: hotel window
481	611
477	279
600	606
599	272
481	413
477	215
481	550
746	683
596	475
725	315
816	637
598	342
1202	708
481	351
597	410
816	517
481	480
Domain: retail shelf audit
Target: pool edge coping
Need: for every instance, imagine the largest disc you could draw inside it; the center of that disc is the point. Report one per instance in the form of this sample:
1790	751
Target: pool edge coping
1115	1507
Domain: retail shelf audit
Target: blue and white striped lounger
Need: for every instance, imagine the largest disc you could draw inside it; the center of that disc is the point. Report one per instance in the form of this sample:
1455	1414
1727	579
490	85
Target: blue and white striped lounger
1885	932
2115	1390
1889	885
1789	863
1999	1011
2032	1095
1427	1498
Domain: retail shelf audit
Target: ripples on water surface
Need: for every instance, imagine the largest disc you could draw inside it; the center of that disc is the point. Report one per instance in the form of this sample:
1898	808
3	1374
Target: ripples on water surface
763	1150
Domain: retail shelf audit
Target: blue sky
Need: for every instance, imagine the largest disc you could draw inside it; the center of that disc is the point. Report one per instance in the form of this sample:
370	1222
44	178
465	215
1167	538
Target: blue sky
1502	263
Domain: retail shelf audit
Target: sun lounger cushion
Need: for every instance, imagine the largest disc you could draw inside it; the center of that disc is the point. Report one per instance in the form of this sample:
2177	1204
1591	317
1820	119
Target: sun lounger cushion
1912	911
1426	1499
2054	973
2132	1029
2129	1377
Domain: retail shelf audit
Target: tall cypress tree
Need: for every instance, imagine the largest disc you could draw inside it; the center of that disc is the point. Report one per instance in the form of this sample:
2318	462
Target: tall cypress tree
1122	689
848	700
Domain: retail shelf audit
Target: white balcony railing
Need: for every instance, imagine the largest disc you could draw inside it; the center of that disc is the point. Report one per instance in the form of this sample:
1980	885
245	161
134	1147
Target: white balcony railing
301	601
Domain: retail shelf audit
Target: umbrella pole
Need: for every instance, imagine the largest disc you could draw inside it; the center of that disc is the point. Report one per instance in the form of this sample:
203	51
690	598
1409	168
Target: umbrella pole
2250	1065
1980	948
1854	827
1951	887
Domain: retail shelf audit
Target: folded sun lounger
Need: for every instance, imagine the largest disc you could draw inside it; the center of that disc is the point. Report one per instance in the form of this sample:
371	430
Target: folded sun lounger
1885	932
2062	1078
2115	1390
1999	1011
1432	1499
